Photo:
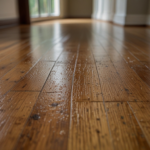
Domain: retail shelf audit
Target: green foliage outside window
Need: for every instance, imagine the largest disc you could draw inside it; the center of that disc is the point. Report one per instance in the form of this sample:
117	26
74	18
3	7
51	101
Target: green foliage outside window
44	7
52	6
33	7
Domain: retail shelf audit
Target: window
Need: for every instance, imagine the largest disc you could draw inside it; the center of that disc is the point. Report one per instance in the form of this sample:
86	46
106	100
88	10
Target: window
34	12
44	8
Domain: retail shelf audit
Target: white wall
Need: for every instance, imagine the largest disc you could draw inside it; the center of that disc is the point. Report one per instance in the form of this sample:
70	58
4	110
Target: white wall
97	9
120	11
124	12
63	8
108	10
137	12
131	12
80	8
137	7
148	18
104	9
8	9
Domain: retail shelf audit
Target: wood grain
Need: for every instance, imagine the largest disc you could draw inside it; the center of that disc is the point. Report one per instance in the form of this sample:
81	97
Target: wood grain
15	109
125	130
86	85
111	84
142	113
60	79
36	78
67	57
89	125
137	89
51	125
74	85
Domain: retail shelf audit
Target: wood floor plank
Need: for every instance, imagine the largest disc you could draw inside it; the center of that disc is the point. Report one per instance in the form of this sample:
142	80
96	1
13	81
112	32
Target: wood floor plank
11	78
18	72
111	84
14	48
133	57
67	57
139	67
7	44
14	111
89	125
60	79
98	51
86	85
143	73
52	55
12	61
136	88
141	91
140	33
36	78
7	64
125	130
142	113
147	64
48	123
85	58
74	85
137	52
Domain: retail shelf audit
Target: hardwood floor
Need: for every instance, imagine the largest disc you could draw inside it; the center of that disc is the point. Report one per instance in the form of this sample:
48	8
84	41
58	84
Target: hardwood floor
75	85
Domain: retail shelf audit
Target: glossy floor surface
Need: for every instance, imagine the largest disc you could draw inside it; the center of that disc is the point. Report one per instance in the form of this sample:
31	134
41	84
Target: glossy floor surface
74	85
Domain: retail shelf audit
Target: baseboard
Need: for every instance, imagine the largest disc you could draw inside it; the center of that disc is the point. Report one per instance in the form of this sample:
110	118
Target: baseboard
97	16
136	20
130	19
9	22
148	20
93	16
119	19
76	17
117	24
107	17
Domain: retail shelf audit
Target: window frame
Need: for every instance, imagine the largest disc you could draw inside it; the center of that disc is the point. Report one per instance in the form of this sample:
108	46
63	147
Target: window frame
49	16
